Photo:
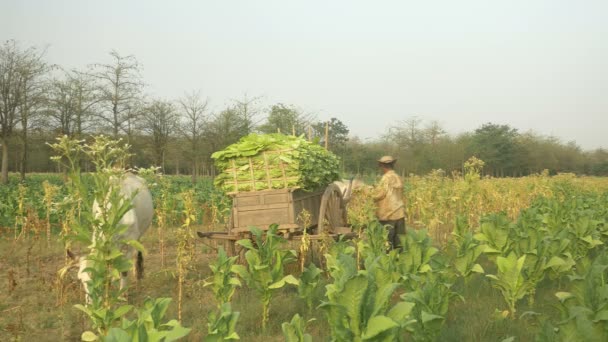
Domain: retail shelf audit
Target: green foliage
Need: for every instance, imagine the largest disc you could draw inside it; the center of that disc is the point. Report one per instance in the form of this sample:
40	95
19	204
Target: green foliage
432	302
361	309
341	266
497	145
510	280
494	232
467	250
274	161
416	259
148	326
309	281
375	242
223	282
584	309
285	119
103	235
265	266
294	331
337	134
221	327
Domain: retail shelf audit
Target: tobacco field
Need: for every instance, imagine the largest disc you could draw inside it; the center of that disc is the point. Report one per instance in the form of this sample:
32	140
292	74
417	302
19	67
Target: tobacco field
484	259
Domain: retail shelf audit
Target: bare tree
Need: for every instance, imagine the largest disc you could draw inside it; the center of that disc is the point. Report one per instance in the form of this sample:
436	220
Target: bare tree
34	95
20	96
247	108
120	87
193	120
433	132
159	120
70	105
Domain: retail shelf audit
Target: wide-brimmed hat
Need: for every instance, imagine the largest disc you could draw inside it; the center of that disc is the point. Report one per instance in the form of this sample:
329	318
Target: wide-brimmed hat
387	160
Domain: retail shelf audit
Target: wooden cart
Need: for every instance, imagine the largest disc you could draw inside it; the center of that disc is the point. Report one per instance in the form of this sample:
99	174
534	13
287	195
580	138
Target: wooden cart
327	210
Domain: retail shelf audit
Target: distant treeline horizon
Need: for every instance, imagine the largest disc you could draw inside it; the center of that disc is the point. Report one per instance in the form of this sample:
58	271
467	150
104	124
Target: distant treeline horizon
40	101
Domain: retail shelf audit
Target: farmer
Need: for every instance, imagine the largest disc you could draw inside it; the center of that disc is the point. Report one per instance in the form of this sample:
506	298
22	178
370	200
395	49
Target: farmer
388	195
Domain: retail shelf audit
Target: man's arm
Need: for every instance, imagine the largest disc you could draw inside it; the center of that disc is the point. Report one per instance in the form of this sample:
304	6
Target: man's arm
379	192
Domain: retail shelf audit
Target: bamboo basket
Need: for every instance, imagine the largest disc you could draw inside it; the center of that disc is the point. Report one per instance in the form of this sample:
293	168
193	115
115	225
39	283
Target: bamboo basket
252	181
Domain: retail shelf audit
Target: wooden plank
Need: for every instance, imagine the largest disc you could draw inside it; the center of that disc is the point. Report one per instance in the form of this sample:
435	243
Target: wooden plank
265	227
263	207
217	236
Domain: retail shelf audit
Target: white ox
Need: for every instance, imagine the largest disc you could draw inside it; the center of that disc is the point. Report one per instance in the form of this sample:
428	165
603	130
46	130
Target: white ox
137	220
347	186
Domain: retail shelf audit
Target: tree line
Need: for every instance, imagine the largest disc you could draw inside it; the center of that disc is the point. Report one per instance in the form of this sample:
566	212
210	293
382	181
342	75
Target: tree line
40	101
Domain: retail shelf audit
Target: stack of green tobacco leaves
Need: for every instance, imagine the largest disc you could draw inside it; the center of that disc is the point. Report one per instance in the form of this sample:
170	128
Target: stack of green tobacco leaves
274	161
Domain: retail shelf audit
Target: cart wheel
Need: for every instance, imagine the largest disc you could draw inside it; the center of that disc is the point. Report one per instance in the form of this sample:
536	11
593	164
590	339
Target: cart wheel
332	213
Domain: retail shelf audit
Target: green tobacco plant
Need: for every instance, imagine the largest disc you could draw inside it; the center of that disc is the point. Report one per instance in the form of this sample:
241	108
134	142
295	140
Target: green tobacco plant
148	326
432	302
467	250
341	266
510	280
362	310
585	236
309	281
223	283
416	259
294	331
265	266
105	260
375	241
584	309
102	234
222	325
494	232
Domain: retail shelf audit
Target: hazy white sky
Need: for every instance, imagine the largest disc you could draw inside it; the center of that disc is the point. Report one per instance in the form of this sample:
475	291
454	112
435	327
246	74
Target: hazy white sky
534	64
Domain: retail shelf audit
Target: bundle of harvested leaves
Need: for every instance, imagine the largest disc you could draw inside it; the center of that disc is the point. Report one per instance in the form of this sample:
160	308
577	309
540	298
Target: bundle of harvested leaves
274	161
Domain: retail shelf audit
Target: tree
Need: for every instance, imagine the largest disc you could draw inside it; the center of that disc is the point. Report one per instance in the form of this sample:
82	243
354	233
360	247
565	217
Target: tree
32	70
598	162
497	146
286	119
193	120
226	128
337	134
159	121
433	132
71	102
120	88
248	110
20	96
361	157
407	139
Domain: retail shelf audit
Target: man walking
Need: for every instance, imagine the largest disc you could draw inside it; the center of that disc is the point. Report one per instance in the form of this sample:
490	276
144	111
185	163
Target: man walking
388	195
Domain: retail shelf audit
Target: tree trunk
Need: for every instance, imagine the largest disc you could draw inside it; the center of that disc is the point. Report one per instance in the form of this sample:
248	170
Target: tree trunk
4	177
24	155
194	171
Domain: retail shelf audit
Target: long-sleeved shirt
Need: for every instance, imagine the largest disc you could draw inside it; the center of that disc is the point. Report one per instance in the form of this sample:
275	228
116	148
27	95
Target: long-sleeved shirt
388	195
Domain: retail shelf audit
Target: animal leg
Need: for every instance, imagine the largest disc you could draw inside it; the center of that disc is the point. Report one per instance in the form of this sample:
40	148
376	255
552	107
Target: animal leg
139	266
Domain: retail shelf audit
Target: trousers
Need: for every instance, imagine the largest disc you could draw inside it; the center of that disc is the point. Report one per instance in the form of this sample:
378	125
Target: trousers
395	228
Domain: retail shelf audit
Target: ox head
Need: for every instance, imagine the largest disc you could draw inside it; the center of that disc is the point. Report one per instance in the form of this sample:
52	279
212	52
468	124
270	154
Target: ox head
81	263
347	186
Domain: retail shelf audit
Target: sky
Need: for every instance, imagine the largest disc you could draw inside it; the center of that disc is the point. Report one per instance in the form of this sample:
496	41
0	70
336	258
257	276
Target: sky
537	65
